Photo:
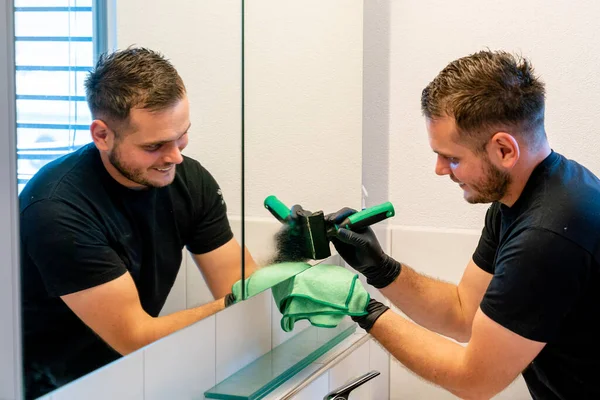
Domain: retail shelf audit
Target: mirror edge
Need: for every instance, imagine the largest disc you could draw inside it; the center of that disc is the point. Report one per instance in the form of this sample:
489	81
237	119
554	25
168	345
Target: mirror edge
243	145
10	337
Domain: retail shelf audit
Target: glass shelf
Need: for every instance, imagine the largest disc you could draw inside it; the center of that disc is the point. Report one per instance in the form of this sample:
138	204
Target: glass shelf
268	372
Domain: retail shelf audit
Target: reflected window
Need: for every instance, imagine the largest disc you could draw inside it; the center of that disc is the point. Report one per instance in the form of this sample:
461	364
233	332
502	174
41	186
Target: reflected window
56	44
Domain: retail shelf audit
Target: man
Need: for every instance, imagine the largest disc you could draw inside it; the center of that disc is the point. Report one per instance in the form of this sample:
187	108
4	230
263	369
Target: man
103	228
528	298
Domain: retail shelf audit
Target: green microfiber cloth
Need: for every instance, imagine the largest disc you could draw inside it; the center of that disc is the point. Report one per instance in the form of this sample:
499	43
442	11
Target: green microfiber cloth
267	277
323	294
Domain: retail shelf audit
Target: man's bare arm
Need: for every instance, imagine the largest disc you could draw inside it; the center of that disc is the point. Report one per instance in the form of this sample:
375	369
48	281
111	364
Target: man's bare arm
491	360
222	267
442	307
113	310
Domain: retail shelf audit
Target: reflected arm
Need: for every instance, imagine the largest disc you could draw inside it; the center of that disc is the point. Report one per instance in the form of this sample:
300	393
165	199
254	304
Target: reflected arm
114	312
222	267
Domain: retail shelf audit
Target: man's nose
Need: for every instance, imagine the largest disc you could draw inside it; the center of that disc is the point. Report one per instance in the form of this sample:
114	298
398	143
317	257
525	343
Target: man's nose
442	167
174	156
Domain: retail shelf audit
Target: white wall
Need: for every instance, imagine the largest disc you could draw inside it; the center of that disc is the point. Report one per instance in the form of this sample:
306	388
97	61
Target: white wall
10	343
303	103
559	37
303	100
203	41
376	102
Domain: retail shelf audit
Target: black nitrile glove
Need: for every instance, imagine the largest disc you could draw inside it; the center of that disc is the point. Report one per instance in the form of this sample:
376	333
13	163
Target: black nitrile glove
374	310
229	299
296	211
363	252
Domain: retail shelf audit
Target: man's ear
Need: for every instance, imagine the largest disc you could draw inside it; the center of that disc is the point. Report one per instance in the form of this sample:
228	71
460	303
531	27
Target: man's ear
102	135
504	150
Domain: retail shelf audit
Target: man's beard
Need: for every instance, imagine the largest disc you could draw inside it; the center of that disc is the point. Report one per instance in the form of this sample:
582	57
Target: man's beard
134	175
492	188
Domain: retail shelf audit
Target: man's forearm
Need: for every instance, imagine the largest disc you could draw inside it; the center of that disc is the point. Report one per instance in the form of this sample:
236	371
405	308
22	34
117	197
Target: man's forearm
159	327
429	302
429	355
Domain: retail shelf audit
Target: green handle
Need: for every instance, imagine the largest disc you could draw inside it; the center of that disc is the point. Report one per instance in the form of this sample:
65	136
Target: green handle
277	208
368	216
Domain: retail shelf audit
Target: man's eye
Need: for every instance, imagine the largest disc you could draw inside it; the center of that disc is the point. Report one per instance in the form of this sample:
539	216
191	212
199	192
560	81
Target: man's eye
152	148
453	160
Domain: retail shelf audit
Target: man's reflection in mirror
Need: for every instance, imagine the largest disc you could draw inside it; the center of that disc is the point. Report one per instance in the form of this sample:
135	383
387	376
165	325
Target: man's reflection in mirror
102	229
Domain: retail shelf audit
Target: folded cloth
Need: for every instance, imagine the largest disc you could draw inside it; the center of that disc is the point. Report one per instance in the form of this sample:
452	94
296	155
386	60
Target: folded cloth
324	294
267	277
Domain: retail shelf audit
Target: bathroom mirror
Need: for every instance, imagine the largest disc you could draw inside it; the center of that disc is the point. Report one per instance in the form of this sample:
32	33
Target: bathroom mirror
303	113
56	45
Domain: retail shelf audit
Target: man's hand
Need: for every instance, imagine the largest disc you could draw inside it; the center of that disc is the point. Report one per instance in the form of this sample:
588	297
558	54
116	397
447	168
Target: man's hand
363	252
374	310
229	300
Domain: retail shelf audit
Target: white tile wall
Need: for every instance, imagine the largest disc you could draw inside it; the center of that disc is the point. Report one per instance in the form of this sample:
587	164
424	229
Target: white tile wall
516	391
243	334
353	366
379	360
438	253
122	379
286	387
316	390
182	366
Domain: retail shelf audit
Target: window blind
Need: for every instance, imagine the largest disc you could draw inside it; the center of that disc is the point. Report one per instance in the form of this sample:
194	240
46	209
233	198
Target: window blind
55	47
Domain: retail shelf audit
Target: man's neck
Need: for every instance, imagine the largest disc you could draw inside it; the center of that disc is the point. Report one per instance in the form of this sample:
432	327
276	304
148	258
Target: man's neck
522	172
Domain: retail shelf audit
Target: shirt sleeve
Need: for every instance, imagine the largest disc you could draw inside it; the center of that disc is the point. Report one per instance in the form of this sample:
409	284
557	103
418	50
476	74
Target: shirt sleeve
68	248
539	277
485	253
211	227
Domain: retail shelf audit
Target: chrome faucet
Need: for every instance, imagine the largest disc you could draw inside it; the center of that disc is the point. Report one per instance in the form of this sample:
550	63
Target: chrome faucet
343	392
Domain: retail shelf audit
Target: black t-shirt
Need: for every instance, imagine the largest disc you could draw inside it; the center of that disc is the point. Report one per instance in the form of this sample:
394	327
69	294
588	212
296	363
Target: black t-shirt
80	228
544	253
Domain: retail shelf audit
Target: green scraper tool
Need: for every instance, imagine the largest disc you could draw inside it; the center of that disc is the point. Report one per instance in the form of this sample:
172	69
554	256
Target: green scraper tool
316	232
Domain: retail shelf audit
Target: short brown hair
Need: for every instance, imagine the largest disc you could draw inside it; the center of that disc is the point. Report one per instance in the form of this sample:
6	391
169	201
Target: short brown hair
132	78
485	92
